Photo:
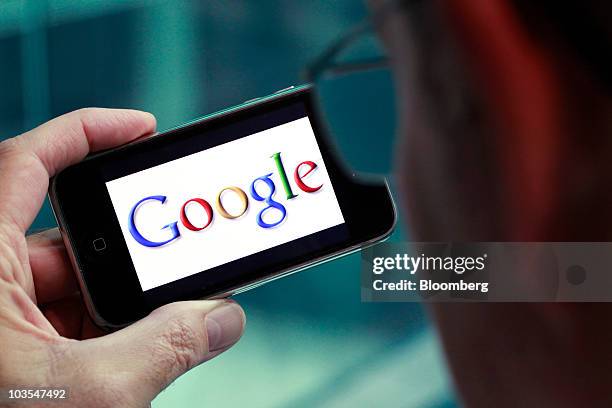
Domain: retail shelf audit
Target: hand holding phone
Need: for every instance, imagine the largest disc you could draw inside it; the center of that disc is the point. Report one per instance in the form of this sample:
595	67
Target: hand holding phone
41	315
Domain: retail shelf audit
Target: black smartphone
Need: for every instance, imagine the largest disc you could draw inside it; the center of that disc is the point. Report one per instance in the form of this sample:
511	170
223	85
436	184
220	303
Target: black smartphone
213	208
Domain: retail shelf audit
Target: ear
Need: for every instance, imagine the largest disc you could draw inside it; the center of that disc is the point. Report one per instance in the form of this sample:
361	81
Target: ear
520	85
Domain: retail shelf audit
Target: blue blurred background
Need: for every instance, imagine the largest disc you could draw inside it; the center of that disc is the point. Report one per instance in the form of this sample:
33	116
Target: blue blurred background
309	342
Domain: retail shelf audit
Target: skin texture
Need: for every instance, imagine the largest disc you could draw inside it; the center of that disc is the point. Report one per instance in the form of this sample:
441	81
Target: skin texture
47	338
505	137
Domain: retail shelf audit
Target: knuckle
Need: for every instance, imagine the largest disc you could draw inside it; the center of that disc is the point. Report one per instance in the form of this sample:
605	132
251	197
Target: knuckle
88	119
9	147
18	155
178	346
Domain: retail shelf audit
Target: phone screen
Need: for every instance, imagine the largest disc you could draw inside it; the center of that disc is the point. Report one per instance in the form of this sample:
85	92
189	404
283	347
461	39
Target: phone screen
223	203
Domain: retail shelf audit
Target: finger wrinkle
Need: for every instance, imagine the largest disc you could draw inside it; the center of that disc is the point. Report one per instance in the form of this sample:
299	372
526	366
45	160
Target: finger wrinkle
90	121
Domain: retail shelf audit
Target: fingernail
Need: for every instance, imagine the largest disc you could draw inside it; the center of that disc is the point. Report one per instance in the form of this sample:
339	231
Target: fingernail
224	326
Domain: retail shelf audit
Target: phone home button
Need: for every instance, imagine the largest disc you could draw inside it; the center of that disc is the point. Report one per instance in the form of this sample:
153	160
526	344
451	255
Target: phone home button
99	244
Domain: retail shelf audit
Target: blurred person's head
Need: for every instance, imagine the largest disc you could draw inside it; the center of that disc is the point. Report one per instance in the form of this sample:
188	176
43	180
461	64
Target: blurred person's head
506	134
506	118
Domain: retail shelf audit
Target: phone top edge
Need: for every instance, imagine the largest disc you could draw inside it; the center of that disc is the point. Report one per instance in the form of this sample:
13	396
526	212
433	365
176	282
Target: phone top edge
248	103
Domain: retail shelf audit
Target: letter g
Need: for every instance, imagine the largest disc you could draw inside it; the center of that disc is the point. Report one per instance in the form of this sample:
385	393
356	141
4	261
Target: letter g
138	236
268	200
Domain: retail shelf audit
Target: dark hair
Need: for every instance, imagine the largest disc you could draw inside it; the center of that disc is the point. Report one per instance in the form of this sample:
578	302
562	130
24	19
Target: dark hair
583	28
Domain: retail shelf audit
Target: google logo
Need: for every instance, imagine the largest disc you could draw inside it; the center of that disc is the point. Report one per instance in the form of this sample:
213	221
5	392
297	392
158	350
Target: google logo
302	170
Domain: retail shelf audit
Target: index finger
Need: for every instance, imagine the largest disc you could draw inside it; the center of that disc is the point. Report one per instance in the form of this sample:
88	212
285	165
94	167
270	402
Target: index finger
28	161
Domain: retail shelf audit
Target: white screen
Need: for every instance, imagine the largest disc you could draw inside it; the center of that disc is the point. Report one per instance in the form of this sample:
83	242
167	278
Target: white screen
203	175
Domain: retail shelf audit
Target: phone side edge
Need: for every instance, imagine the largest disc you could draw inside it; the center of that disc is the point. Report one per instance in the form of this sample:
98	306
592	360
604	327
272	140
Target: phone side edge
56	209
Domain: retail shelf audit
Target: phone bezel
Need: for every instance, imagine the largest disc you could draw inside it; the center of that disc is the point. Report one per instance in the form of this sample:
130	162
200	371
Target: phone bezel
67	188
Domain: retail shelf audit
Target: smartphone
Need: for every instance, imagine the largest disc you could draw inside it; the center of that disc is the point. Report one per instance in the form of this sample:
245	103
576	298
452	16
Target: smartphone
213	208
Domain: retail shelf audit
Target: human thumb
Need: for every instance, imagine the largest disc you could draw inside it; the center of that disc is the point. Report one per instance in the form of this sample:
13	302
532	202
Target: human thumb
138	362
